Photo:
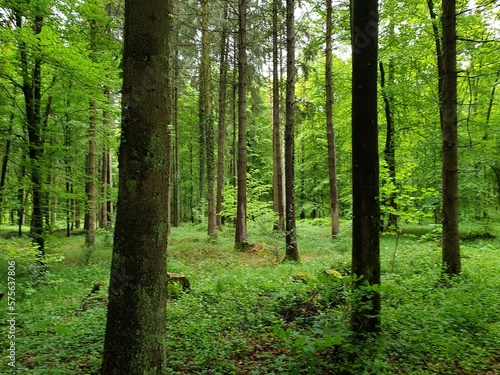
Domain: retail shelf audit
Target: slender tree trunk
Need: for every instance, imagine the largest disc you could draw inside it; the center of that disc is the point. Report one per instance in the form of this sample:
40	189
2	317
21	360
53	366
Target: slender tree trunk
451	247
91	187
207	119
176	192
277	144
241	204
439	55
330	129
365	316
291	251
221	149
5	162
389	150
135	331
21	199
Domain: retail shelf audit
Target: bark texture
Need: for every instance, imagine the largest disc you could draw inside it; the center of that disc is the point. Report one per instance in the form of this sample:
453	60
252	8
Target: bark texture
241	200
292	251
135	329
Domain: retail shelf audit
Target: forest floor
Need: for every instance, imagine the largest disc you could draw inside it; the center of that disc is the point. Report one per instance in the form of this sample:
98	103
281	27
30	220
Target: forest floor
250	313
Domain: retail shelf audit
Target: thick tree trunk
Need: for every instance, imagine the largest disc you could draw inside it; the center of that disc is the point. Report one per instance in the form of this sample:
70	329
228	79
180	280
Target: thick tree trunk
277	144
365	316
221	149
241	203
330	129
135	329
32	84
291	251
451	247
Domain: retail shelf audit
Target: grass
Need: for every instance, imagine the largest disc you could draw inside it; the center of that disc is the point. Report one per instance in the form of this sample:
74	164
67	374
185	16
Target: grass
248	313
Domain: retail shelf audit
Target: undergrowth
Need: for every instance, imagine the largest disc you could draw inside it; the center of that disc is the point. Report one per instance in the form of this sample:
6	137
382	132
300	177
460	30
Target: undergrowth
248	313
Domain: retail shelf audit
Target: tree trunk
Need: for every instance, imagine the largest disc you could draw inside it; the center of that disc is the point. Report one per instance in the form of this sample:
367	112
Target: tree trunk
135	330
176	188
451	247
5	162
277	144
365	316
221	149
389	150
292	252
91	187
207	119
330	129
32	90
241	203
439	55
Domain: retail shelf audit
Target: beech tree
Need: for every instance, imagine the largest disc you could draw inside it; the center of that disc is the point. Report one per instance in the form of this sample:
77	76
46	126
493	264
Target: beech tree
135	328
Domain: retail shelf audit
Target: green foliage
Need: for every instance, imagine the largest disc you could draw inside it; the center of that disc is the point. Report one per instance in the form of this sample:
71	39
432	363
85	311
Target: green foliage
248	314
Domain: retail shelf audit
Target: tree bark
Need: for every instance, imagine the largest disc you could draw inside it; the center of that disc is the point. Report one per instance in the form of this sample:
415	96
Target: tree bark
221	149
277	144
91	186
330	129
365	316
241	201
448	95
291	250
135	328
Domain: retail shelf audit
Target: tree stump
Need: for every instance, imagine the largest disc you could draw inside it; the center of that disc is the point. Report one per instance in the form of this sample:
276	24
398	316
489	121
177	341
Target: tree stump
176	284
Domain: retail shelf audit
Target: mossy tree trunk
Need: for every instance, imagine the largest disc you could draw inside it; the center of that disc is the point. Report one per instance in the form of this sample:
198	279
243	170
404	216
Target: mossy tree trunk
365	316
291	249
135	328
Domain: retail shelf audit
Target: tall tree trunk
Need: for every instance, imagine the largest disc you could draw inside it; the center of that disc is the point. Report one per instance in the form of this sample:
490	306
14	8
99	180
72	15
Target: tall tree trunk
389	150
365	316
32	90
241	203
451	247
5	162
176	188
221	149
21	198
135	330
207	119
439	55
91	186
291	250
330	129
277	144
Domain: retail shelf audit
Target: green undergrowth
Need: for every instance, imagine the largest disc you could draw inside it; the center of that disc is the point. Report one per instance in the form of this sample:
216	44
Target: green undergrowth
249	313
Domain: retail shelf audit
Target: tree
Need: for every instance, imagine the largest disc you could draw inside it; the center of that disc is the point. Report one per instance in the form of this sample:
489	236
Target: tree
365	316
330	130
221	142
448	105
292	252
277	148
135	328
241	200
